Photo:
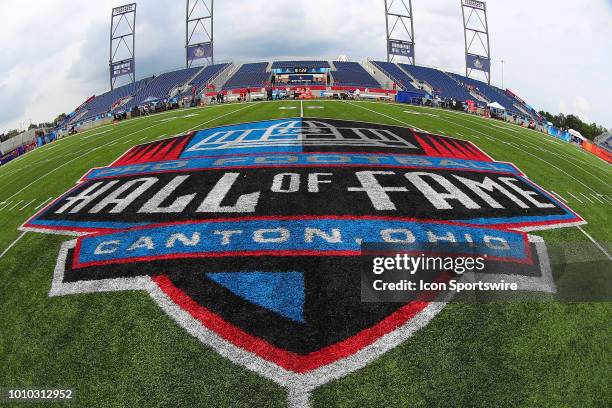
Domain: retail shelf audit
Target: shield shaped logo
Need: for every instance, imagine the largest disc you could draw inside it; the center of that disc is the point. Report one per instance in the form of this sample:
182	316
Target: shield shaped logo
249	236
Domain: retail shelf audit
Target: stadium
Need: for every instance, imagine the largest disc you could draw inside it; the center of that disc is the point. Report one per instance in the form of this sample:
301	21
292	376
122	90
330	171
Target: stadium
205	236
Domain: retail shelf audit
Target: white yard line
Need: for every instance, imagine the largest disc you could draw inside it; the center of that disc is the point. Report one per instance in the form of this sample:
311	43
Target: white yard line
597	244
120	138
595	196
301	108
30	202
586	197
559	196
532	142
577	199
12	244
15	205
385	115
43	203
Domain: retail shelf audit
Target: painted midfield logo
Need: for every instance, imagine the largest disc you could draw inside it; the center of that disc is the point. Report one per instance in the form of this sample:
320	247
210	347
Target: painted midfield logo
249	236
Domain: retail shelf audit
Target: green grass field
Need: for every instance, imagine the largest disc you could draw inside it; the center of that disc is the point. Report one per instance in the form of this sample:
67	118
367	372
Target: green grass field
120	349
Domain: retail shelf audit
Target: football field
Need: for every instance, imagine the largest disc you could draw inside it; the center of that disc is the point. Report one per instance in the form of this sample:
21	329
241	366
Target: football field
120	349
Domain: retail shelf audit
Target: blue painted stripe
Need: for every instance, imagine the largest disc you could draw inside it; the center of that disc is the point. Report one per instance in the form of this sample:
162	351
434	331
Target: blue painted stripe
283	235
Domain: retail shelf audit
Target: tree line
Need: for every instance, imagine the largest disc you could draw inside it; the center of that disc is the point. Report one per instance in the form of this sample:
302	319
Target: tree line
561	121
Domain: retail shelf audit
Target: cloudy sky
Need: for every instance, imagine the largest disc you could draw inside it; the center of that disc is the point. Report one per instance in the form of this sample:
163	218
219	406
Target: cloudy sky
557	53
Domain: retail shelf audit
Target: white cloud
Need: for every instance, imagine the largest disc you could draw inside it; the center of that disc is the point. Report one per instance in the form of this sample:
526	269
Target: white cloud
556	52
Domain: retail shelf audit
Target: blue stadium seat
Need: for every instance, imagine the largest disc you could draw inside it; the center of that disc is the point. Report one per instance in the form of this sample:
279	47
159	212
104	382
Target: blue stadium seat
204	77
491	92
442	84
102	104
253	75
160	86
352	74
396	74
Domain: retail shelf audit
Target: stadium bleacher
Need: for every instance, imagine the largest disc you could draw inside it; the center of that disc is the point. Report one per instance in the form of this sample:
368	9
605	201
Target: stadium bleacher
396	74
203	77
352	74
492	93
101	104
160	86
300	64
443	85
250	75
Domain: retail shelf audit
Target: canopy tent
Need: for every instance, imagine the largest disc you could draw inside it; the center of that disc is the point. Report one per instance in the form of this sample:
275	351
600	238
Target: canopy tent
576	134
495	105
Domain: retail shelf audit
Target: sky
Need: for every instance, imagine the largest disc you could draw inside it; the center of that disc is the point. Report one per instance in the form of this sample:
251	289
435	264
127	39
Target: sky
557	53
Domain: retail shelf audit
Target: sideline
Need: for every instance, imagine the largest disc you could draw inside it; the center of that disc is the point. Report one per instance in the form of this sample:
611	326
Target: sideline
14	242
120	138
597	244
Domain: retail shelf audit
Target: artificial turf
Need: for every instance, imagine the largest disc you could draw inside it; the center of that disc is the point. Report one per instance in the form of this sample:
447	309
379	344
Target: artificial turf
120	349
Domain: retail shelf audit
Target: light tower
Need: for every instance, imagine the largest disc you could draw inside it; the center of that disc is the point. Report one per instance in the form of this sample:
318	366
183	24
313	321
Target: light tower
476	35
199	32
122	43
400	30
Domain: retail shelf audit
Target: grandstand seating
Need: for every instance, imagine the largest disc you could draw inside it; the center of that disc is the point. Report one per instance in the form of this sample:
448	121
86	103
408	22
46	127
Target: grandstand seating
101	104
442	84
204	77
251	75
300	64
396	74
491	92
160	86
352	74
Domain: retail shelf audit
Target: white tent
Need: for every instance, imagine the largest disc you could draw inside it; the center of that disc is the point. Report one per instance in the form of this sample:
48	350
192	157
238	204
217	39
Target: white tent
576	133
495	105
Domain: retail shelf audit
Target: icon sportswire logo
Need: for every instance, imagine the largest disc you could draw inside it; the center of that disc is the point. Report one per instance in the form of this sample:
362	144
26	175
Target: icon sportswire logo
249	235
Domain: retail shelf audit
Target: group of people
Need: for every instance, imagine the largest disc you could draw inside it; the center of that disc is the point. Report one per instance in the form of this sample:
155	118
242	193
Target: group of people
219	98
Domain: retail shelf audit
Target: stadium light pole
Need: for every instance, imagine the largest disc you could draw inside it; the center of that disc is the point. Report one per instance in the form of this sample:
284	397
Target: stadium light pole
502	66
122	55
400	33
476	27
199	26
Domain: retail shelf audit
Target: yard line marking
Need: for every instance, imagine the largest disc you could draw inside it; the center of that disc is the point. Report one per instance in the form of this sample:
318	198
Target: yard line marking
44	202
12	244
106	144
386	116
597	244
16	204
301	108
96	134
31	201
577	199
219	117
4	204
559	196
586	197
531	142
597	198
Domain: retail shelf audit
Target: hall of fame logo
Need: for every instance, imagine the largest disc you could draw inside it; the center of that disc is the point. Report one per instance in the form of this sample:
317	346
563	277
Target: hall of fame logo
249	236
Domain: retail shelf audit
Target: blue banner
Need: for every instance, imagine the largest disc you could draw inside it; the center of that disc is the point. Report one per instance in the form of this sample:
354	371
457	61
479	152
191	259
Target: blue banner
199	51
477	62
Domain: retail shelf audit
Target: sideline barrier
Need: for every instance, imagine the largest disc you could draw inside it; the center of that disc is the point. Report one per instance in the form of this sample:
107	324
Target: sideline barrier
597	151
